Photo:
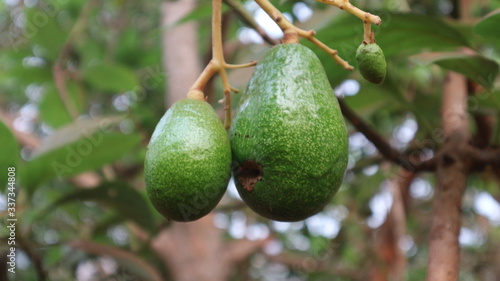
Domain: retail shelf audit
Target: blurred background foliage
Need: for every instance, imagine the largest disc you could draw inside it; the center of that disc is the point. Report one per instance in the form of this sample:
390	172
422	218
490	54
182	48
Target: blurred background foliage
81	205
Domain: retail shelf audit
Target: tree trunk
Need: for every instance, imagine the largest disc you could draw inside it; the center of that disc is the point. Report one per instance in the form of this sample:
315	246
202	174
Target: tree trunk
452	170
180	49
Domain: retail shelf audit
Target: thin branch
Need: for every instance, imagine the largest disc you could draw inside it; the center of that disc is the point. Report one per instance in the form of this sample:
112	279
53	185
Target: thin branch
381	143
216	65
37	260
59	71
286	26
348	7
482	157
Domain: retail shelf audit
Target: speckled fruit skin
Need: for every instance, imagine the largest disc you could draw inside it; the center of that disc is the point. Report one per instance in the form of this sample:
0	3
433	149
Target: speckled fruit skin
289	122
188	161
371	62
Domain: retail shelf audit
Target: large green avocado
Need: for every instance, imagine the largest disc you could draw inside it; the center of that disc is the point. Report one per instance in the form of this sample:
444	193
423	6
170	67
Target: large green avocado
288	137
188	161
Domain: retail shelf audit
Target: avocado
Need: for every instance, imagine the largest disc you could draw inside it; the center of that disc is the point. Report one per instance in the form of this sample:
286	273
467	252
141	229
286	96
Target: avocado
188	161
288	137
371	62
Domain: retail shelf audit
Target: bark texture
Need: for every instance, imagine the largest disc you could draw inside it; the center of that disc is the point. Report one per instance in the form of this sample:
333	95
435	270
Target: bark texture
196	251
452	170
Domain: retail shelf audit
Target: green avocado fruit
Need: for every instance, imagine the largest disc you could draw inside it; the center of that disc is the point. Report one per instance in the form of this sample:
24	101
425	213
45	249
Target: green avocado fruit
188	161
288	137
371	62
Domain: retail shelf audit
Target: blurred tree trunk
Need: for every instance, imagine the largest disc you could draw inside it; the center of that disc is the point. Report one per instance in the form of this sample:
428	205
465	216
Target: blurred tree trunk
197	251
452	170
180	49
387	239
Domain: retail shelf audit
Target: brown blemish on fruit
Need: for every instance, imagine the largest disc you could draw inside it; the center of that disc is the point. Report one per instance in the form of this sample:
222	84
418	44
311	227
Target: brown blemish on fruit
249	174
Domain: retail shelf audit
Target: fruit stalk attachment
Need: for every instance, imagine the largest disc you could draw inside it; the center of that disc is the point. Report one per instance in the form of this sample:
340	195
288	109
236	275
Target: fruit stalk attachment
217	65
288	28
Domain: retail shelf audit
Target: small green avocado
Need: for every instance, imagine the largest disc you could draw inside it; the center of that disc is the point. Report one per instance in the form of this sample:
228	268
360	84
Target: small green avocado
188	161
371	62
288	137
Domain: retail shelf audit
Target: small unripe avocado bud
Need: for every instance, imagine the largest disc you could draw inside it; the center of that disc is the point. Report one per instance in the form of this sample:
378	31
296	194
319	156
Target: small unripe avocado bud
371	62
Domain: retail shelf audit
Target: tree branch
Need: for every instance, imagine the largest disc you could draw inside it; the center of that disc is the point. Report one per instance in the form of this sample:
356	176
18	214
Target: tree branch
293	32
381	143
37	260
59	71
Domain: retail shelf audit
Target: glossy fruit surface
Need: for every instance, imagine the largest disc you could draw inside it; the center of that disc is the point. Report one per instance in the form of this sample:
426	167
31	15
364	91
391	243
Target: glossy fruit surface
371	62
288	137
187	166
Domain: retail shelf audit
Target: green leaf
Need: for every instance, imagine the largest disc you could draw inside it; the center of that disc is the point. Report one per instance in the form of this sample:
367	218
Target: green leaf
128	260
475	67
89	152
487	102
202	11
369	100
43	30
113	78
412	33
121	197
79	129
488	26
10	153
27	74
52	109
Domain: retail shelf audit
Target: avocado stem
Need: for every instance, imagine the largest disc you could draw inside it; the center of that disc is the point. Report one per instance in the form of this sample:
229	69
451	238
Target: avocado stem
368	36
217	65
287	27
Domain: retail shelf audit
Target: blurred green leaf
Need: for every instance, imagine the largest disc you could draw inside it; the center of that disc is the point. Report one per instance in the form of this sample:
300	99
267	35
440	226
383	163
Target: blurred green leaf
28	74
369	100
202	11
128	260
52	109
488	26
10	153
488	102
79	129
119	196
401	33
87	153
475	67
105	222
113	78
43	29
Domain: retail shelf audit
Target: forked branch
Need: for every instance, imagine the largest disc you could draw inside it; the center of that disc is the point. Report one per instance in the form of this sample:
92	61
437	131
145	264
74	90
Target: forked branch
216	65
288	28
